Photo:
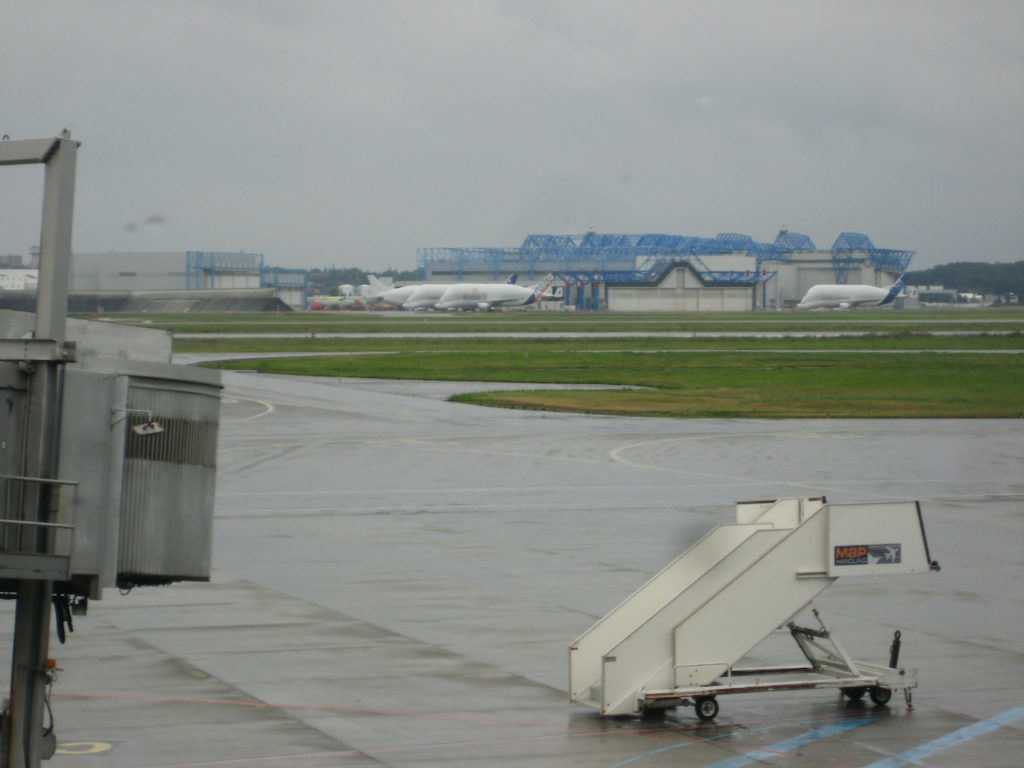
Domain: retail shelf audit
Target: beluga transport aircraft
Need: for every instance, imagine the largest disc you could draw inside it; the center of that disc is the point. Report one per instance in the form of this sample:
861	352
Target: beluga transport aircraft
427	295
395	296
491	295
847	296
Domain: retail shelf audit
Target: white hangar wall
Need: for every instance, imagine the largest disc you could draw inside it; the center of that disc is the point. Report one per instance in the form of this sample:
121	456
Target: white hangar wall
163	271
129	271
816	267
205	271
680	290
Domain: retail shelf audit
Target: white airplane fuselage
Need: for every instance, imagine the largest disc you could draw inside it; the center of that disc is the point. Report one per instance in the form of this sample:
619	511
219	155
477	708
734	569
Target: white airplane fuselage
397	296
849	296
425	296
417	295
491	295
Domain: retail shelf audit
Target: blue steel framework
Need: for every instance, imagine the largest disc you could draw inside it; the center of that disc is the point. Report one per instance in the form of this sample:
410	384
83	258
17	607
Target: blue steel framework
210	263
200	263
615	258
848	244
276	277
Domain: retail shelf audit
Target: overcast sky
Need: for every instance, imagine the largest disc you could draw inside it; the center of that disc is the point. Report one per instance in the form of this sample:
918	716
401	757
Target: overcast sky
349	133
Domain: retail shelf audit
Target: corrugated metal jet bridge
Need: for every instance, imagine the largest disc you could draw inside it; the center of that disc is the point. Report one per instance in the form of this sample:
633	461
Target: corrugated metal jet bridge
107	462
677	640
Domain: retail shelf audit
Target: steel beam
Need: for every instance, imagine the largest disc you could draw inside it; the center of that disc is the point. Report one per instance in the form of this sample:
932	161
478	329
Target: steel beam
26	152
23	746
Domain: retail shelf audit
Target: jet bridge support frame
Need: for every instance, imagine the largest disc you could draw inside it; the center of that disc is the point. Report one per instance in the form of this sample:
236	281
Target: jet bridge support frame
23	743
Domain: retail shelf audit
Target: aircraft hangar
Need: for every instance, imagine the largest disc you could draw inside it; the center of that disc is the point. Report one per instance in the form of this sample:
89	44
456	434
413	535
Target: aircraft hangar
211	276
660	272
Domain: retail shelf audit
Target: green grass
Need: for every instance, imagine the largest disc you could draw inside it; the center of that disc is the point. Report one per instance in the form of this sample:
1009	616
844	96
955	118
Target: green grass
1001	319
596	342
707	383
899	370
801	386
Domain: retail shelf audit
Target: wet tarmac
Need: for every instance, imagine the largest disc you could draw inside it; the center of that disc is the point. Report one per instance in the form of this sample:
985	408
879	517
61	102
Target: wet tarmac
397	579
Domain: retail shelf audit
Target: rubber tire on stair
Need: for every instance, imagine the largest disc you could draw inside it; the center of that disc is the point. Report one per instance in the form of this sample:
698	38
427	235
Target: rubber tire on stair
706	707
880	696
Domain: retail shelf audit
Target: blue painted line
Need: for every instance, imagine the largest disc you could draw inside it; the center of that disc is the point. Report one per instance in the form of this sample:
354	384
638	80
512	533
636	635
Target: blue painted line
645	755
788	745
959	736
756	755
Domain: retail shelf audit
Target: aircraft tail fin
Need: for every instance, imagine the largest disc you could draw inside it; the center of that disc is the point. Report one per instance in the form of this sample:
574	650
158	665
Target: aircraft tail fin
895	290
512	278
376	285
540	287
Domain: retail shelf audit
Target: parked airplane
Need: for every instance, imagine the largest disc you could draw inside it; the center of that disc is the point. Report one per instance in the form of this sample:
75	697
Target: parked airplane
336	302
395	296
427	295
847	296
349	297
491	295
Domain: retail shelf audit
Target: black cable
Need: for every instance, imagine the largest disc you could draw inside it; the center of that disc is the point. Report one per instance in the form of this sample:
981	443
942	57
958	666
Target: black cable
62	610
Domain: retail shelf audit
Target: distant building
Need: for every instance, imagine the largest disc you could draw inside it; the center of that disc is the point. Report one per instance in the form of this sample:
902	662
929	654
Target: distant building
936	294
186	271
673	273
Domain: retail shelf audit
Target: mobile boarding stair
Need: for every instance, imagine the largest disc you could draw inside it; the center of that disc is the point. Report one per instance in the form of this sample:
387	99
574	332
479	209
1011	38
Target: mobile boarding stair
676	640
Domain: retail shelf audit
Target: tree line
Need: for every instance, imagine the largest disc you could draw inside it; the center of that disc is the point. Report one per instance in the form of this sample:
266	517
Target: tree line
974	277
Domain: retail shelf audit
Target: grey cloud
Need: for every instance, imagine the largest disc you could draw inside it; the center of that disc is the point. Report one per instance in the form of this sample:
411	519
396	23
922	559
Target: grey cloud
319	132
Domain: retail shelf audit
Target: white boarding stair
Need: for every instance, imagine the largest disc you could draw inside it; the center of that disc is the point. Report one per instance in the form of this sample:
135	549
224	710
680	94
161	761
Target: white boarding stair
682	632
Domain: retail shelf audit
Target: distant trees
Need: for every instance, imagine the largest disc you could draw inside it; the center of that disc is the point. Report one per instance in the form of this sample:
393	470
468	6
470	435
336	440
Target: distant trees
974	277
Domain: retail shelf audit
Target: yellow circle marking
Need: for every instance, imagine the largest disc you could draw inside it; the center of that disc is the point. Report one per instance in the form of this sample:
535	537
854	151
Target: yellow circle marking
268	408
82	748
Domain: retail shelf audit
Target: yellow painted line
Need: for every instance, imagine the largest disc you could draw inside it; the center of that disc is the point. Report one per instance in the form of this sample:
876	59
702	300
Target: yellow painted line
268	408
615	456
83	748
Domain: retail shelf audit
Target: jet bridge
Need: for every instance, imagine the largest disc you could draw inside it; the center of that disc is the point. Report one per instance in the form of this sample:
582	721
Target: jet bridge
677	640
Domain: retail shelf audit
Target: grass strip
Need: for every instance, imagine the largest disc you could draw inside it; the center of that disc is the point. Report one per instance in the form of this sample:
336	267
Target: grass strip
710	383
212	324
